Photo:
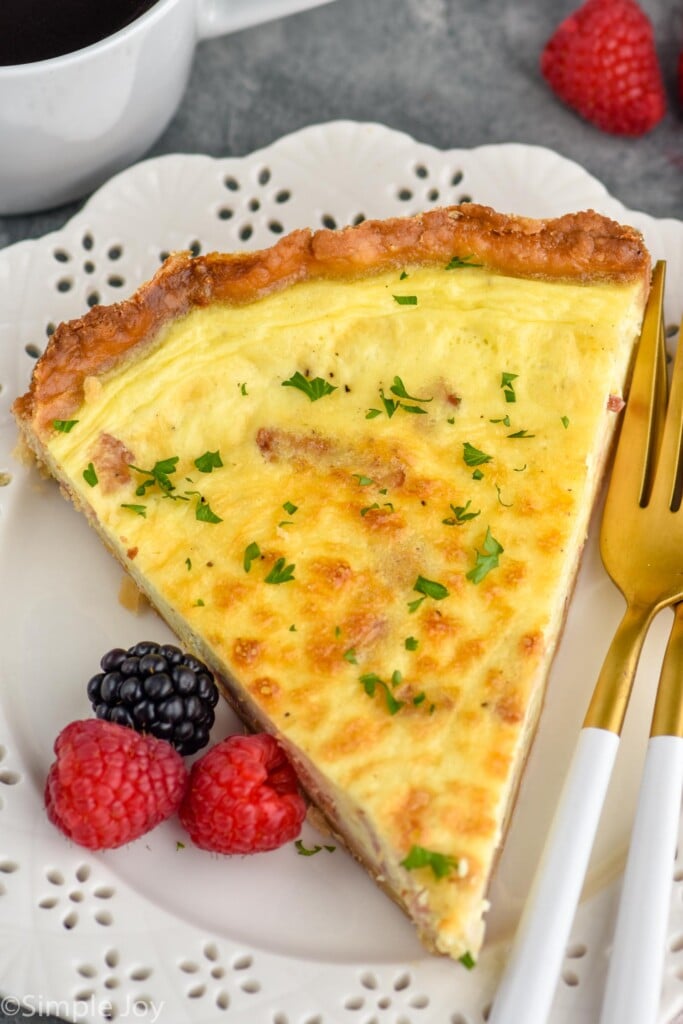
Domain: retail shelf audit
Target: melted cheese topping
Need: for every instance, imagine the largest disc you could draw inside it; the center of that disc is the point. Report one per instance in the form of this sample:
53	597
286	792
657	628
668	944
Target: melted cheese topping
458	447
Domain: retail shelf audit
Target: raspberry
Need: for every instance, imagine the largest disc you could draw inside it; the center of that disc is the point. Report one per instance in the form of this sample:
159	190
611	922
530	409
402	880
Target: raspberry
242	797
156	688
602	62
110	785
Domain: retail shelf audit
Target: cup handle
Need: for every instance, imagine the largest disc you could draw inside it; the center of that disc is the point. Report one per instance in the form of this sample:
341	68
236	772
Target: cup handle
216	17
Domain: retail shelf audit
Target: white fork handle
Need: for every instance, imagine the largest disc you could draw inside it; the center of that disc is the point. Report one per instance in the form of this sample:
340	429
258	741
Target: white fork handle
530	979
634	981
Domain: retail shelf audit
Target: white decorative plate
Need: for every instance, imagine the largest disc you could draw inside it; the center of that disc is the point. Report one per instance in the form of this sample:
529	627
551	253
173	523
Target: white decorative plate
155	932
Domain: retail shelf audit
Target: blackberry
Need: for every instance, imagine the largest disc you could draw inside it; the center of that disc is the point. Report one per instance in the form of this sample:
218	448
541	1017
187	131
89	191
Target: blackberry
158	689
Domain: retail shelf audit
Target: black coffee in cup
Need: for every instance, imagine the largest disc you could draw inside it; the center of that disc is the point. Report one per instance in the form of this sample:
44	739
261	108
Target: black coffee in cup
32	30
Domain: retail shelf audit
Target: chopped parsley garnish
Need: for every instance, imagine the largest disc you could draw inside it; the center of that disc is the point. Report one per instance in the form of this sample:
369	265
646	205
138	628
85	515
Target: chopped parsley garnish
473	456
199	603
428	588
369	508
251	553
418	857
204	513
363	481
188	563
477	475
521	433
209	461
461	261
487	559
179	845
289	508
410	643
565	421
406	300
315	388
391	405
419	698
243	389
64	426
140	510
350	656
505	420
403	276
281	572
468	961
306	851
505	504
371	681
159	474
90	476
398	388
460	515
506	383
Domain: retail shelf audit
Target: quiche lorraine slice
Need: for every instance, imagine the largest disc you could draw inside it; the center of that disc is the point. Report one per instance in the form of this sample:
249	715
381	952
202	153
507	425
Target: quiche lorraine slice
354	473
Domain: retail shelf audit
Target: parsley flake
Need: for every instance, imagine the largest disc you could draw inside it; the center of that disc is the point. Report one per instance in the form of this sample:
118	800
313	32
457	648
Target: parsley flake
159	474
371	681
90	476
64	426
419	857
398	388
306	851
473	456
251	553
350	656
487	559
280	573
428	588
209	461
461	261
460	515
506	383
140	510
204	513
315	388
406	300
468	961
565	421
521	433
289	508
410	643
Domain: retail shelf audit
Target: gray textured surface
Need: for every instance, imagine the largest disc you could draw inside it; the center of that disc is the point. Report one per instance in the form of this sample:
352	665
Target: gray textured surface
449	72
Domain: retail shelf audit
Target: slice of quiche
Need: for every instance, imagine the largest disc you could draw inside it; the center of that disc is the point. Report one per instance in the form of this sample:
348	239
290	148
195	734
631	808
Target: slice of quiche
354	473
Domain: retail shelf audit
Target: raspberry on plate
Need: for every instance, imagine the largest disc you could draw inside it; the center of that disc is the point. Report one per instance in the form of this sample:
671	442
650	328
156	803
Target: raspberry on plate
109	785
242	797
602	62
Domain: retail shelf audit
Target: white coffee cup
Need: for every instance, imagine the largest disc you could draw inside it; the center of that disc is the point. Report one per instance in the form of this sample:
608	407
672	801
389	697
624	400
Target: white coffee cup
70	122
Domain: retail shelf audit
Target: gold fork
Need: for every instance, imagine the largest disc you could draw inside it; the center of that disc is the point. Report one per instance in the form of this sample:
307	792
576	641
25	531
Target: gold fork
641	543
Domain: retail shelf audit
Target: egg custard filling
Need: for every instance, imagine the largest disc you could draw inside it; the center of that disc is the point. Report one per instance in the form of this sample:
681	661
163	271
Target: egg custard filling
359	492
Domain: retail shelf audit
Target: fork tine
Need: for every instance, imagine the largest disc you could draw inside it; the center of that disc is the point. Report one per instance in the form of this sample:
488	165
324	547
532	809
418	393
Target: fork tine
668	478
641	428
